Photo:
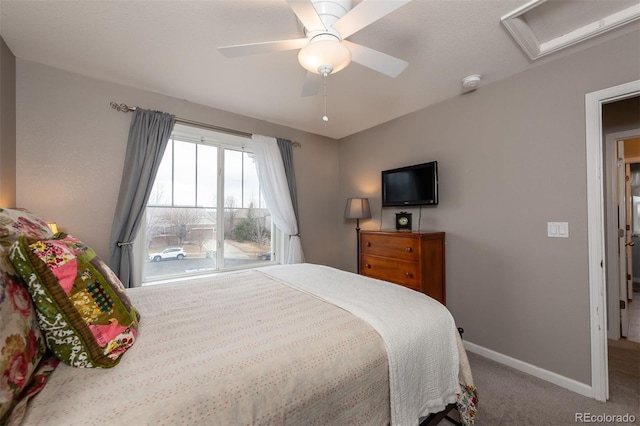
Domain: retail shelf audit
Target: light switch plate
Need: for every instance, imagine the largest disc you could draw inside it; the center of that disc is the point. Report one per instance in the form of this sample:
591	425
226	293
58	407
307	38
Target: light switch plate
558	229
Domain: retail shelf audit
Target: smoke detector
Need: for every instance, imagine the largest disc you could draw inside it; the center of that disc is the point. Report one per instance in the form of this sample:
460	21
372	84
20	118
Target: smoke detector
471	82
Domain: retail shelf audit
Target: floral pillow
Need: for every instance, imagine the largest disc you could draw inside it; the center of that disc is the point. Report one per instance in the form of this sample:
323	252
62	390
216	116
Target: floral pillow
16	222
81	305
21	342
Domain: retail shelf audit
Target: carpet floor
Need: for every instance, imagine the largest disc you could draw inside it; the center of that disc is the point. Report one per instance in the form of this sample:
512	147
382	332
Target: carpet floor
509	397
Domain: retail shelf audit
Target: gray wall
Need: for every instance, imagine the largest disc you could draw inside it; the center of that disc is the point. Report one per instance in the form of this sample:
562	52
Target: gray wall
512	158
7	126
71	147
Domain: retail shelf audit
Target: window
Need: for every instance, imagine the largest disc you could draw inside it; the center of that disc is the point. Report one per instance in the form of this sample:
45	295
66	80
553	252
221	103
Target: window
206	212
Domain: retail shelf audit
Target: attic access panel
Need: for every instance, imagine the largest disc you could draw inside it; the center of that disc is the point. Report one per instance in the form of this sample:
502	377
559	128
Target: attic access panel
542	27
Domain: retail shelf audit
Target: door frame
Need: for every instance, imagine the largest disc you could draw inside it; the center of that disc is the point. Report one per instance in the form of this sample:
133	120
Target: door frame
596	231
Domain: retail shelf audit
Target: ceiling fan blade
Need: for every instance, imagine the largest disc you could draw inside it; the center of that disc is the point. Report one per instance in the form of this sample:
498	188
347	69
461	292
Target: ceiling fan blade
264	47
376	60
365	13
307	14
311	84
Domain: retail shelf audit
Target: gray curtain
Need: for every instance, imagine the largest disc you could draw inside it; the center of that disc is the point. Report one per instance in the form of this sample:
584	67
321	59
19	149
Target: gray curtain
148	137
286	151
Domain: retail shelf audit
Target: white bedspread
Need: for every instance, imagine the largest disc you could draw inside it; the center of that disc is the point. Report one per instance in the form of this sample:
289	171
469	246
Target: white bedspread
421	344
237	349
255	347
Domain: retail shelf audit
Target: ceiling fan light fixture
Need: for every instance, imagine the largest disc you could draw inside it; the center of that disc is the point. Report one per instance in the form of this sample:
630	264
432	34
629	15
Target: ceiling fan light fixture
324	51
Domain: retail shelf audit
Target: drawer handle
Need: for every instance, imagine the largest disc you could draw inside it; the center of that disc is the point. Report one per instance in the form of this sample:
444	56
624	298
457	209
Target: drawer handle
409	275
409	249
367	266
368	244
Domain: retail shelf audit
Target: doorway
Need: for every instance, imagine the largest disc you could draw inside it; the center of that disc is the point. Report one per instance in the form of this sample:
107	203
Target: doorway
633	288
622	201
596	222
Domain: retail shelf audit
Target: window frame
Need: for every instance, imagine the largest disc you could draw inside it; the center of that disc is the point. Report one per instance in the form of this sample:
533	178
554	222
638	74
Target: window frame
221	141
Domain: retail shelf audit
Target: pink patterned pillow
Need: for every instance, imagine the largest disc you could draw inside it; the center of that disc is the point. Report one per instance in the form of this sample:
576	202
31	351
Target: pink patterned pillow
21	342
82	307
17	222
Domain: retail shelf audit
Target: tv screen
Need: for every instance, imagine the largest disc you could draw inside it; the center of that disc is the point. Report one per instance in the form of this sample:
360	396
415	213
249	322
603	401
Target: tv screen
415	185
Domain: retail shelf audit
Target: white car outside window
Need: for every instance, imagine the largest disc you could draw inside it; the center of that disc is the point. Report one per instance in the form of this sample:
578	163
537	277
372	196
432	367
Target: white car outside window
169	253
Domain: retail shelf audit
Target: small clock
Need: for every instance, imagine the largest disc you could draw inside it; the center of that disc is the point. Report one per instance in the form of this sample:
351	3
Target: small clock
403	221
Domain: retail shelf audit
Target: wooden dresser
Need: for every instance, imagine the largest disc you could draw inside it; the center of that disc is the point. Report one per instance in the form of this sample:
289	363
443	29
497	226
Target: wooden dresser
411	259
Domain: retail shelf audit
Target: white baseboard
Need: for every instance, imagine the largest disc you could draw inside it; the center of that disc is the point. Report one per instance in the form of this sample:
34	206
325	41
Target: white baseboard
549	376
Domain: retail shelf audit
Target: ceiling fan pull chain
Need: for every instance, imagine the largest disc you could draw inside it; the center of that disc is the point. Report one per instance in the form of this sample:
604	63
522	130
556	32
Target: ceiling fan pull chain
324	117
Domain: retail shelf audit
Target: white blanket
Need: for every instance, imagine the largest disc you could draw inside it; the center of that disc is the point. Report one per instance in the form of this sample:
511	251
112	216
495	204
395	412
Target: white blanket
238	349
421	344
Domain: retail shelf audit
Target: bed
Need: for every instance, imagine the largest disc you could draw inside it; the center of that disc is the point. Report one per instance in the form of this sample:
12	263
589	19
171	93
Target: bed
283	344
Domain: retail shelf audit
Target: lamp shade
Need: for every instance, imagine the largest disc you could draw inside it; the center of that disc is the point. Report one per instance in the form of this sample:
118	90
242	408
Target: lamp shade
357	208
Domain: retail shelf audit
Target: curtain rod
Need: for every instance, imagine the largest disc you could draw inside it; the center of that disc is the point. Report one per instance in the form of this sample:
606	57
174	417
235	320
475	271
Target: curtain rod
126	108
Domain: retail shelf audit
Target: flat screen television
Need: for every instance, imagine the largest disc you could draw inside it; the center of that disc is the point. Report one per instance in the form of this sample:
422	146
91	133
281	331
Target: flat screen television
415	185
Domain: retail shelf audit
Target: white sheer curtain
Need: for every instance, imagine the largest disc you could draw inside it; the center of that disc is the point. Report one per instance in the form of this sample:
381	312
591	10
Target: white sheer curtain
273	181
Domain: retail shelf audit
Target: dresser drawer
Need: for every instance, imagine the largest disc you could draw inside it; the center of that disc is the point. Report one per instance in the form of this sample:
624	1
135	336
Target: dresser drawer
397	271
398	247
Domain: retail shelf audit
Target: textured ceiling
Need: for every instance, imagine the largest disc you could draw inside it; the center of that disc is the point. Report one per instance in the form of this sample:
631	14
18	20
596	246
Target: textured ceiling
169	47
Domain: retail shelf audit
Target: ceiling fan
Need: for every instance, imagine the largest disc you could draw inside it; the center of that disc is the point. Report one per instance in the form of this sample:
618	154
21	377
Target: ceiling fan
324	50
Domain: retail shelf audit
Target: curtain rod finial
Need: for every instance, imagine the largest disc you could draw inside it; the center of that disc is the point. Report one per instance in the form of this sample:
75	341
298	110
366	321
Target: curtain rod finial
121	107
